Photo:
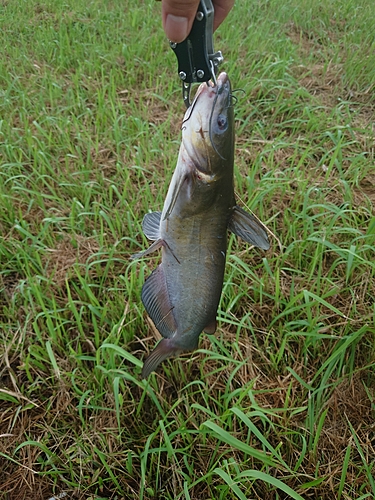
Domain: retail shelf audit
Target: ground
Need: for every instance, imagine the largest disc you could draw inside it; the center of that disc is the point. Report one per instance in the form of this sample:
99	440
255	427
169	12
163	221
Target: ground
280	402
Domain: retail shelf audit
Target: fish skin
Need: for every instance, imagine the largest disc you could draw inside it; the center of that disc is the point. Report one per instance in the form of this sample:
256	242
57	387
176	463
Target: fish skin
182	294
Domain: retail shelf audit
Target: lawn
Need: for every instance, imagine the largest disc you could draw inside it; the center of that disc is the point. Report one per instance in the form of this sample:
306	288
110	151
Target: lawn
280	403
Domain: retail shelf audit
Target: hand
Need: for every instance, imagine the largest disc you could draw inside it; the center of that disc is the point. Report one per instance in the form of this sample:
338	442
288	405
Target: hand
178	16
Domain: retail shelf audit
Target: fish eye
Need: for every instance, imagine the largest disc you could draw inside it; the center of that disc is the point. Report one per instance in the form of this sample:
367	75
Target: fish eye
222	123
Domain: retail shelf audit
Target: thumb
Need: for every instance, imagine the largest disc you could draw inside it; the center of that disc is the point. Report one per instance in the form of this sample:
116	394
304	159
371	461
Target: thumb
178	17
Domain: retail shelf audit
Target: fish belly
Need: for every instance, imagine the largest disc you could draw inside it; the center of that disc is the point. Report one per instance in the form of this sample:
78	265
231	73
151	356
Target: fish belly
193	264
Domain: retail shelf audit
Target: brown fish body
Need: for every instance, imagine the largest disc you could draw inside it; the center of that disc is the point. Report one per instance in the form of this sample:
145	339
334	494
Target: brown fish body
182	295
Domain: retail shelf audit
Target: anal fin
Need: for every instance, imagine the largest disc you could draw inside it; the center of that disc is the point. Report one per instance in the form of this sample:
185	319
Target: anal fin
157	303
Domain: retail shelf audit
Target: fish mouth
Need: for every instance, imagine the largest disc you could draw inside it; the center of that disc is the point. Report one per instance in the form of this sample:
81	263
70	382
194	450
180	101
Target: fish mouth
210	102
209	91
222	84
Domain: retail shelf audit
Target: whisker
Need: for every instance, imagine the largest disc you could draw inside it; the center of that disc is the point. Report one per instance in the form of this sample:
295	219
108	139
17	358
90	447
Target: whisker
239	90
190	109
235	98
232	98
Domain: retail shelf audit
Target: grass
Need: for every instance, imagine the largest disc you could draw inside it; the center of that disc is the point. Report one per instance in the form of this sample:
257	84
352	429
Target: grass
280	402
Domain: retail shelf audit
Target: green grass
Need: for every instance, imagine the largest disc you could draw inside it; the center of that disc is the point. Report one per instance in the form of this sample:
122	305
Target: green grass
280	403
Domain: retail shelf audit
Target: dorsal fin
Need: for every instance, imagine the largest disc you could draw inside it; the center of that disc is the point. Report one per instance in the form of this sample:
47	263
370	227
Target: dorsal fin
247	227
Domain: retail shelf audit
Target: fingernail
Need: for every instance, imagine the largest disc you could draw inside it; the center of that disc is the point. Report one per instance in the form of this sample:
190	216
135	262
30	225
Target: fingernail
176	28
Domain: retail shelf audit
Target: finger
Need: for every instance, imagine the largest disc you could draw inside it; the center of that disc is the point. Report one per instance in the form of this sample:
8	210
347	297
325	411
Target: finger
178	17
222	8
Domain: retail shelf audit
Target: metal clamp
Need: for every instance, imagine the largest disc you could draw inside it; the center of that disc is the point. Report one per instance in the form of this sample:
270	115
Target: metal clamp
197	61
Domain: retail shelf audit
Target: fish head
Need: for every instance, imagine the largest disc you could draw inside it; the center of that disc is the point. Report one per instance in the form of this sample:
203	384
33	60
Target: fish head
208	127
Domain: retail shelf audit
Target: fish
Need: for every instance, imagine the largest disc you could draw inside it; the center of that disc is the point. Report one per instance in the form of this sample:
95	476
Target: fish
182	294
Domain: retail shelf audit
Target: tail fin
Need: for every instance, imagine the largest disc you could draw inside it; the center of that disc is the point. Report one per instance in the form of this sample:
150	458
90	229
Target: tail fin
164	350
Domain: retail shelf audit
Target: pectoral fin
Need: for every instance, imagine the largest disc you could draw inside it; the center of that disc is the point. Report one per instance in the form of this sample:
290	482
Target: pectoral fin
151	225
151	228
164	350
157	303
176	189
155	246
247	227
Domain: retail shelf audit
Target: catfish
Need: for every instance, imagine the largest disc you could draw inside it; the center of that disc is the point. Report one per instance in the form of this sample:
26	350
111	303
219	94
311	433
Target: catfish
182	294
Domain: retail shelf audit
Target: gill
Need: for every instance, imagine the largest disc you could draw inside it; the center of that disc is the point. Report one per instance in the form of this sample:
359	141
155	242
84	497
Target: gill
208	156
